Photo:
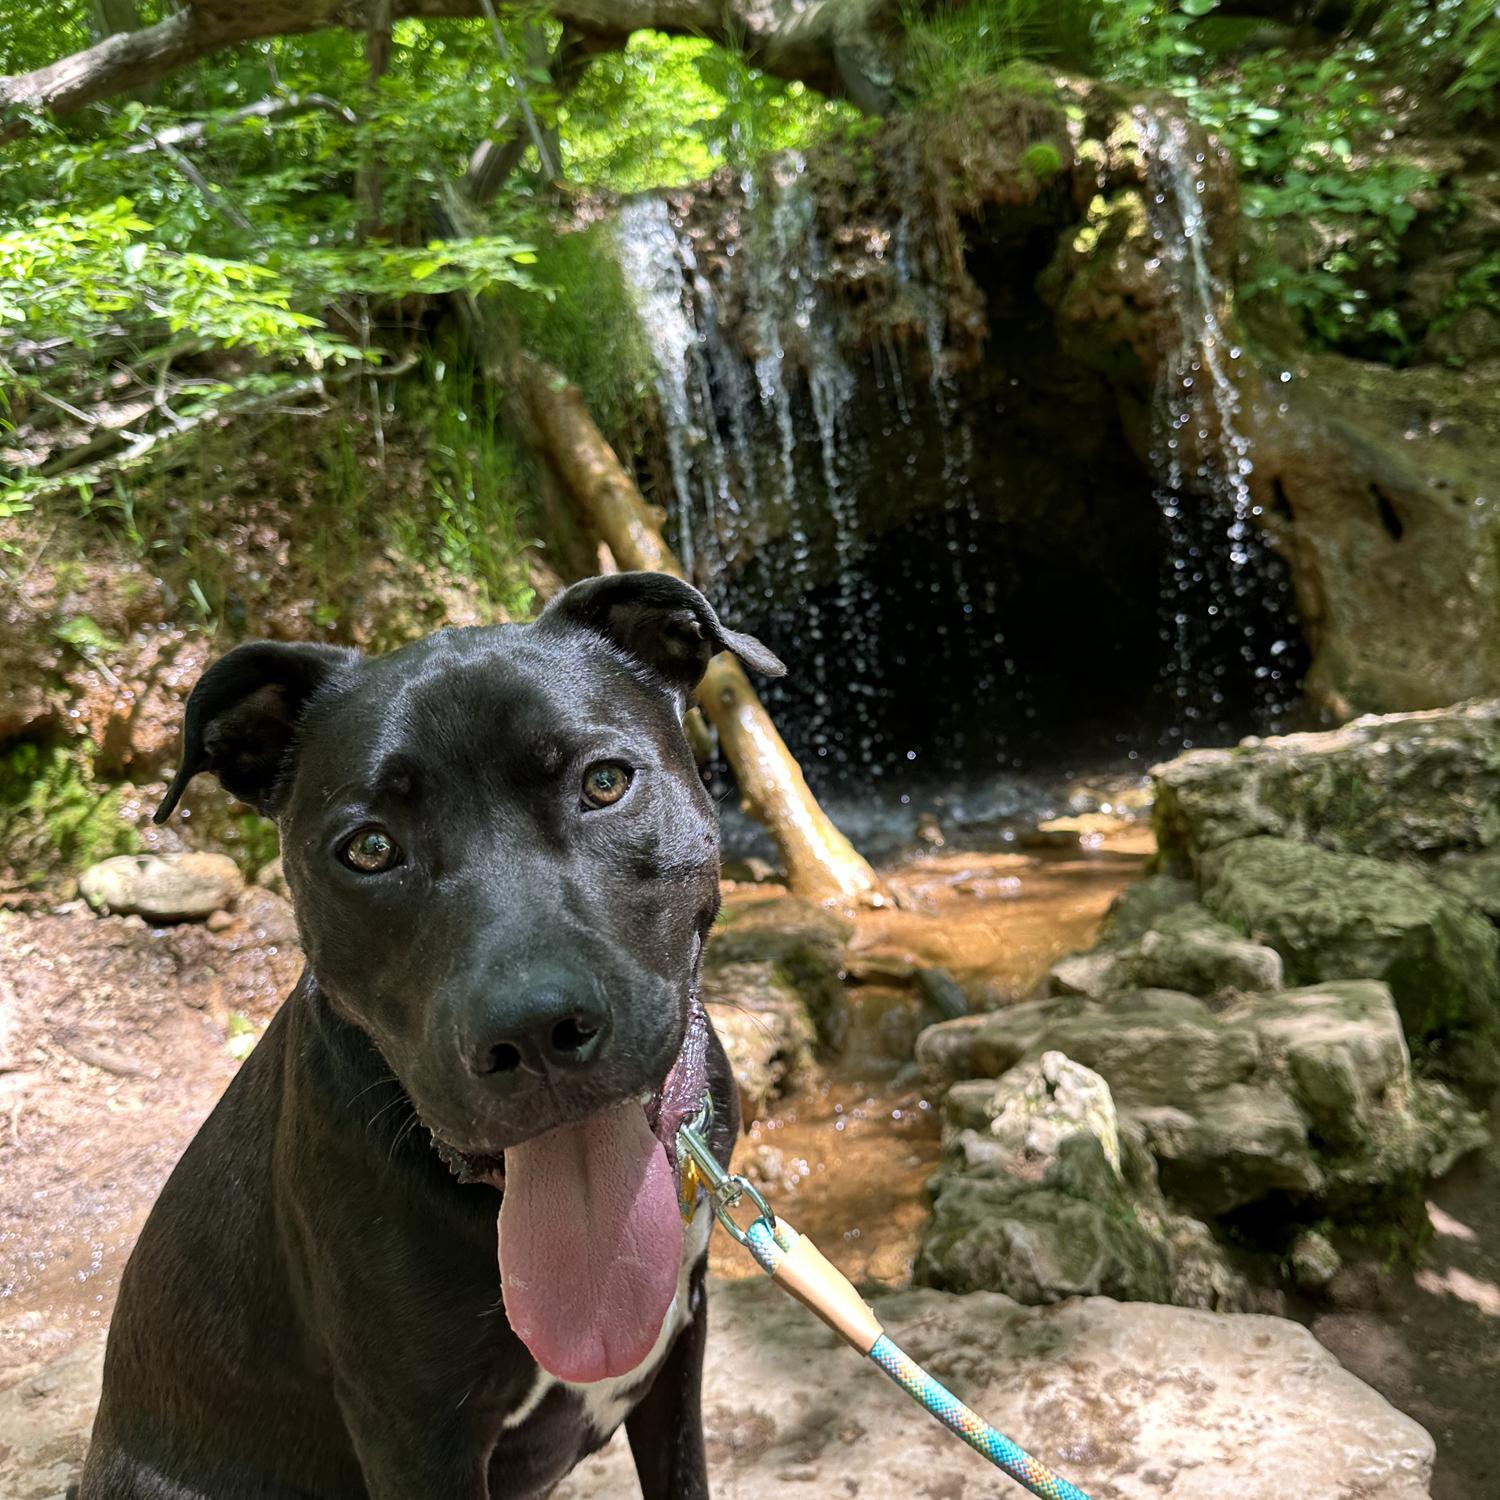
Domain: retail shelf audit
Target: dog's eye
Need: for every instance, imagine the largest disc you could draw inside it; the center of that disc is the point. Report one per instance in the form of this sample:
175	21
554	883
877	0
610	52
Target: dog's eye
370	851
604	782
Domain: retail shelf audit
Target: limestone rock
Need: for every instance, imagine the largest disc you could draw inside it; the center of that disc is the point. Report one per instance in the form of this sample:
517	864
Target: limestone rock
1235	1147
1038	1246
1041	1198
1187	949
1389	787
1313	1261
764	1026
162	887
1147	1044
1138	907
1181	948
272	875
1474	877
44	1424
1128	1400
803	946
1342	1050
1343	916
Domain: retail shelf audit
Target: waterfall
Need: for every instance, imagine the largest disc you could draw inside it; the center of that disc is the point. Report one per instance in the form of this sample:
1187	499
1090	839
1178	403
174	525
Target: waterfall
950	537
1225	603
718	397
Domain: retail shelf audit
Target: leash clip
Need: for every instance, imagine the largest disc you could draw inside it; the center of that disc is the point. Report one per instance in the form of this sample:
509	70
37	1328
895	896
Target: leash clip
725	1189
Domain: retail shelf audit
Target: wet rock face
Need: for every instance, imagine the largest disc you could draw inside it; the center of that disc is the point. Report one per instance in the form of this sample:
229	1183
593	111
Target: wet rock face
1186	950
1377	486
1127	1400
773	987
1297	1103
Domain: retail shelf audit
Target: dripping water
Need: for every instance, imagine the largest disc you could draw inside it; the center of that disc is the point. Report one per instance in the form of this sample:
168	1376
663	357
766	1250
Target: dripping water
1225	599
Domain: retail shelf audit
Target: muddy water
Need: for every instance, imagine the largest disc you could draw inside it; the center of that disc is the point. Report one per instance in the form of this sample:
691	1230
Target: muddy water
846	1156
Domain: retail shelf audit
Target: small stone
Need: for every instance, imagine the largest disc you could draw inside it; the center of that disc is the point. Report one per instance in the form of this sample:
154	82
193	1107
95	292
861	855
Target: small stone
930	832
1314	1262
272	876
766	1165
163	887
942	995
219	920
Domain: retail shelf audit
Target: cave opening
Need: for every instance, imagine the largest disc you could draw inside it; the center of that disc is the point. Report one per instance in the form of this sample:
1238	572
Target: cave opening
982	591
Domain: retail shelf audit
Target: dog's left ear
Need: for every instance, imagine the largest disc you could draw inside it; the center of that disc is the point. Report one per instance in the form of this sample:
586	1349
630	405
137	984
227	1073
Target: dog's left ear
242	716
660	621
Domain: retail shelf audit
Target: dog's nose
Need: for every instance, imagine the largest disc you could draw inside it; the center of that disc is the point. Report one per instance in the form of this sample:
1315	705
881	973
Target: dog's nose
551	1019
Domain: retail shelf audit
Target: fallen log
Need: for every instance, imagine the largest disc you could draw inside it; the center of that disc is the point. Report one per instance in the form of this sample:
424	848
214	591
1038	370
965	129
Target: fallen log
821	864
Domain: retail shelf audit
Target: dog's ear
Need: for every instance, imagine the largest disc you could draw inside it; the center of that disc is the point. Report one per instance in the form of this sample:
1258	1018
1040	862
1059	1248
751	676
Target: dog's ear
660	621
243	712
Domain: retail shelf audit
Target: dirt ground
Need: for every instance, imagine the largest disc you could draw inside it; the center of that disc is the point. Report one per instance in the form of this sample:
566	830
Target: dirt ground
116	1039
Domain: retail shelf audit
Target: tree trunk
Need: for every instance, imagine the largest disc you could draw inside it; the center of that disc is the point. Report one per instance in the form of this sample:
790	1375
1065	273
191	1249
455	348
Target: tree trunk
821	864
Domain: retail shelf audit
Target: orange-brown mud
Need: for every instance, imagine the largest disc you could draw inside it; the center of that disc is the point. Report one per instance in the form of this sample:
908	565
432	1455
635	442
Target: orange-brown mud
846	1156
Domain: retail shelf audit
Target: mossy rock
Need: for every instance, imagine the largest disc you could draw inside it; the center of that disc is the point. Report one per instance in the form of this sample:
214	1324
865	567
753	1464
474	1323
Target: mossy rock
1343	916
1423	784
1038	1246
804	946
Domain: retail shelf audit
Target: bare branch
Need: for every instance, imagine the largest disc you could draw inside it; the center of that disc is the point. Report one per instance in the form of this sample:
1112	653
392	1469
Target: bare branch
281	107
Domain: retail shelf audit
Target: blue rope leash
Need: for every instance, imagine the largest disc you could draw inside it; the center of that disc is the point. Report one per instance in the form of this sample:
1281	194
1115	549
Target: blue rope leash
797	1267
770	1242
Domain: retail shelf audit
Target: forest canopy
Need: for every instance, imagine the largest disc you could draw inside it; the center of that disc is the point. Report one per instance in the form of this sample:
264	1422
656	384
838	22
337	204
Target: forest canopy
208	210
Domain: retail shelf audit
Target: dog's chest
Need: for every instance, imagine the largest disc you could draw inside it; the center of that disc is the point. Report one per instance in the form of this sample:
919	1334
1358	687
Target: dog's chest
606	1403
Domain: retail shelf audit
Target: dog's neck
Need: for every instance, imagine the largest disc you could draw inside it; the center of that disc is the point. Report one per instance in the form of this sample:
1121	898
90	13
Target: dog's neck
362	1094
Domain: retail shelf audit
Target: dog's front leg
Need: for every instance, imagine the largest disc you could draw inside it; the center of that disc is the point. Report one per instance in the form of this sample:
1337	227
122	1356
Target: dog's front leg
666	1427
400	1461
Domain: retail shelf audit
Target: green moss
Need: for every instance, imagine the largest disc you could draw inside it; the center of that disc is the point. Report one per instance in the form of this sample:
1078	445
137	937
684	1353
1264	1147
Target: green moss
588	328
55	817
1042	160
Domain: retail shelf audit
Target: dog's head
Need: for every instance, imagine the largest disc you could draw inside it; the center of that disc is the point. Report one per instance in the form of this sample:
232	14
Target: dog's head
503	860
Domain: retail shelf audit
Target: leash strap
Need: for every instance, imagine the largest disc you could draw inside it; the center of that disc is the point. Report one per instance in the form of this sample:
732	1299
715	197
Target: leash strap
798	1267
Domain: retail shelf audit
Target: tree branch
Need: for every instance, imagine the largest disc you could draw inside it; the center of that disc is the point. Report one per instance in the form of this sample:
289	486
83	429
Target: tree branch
278	108
787	38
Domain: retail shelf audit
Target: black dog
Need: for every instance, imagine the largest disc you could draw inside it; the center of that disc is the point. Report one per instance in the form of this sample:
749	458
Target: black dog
504	866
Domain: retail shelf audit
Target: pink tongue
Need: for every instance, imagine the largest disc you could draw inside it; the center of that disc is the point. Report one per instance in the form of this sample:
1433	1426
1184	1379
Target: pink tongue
590	1244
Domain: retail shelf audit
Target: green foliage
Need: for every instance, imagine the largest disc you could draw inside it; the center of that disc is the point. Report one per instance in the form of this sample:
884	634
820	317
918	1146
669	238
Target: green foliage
1329	201
76	276
1042	160
472	518
54	815
670	110
1333	210
954	44
587	325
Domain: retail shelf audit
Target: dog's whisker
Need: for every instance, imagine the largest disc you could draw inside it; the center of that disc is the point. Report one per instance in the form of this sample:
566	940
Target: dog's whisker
369	1087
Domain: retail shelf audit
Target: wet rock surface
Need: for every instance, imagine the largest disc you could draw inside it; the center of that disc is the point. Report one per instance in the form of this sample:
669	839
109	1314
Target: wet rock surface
1289	1037
1333	916
773	986
1397	786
